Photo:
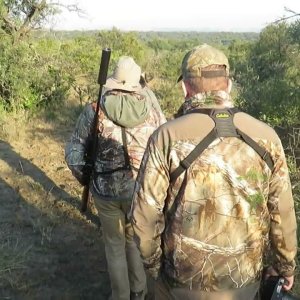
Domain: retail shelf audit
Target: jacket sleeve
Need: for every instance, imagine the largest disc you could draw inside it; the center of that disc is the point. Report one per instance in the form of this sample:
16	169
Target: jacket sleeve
76	149
147	208
283	227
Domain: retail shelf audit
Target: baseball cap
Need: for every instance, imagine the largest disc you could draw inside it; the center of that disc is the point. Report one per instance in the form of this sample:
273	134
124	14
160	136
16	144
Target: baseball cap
126	76
200	57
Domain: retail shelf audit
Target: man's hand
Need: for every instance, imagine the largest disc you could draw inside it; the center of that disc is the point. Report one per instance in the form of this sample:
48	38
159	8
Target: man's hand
289	279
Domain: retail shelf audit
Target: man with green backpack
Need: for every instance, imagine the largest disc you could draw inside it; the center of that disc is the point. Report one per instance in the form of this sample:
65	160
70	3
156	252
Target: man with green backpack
129	113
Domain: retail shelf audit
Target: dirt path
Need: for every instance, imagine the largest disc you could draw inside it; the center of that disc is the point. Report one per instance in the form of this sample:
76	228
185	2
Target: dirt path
48	249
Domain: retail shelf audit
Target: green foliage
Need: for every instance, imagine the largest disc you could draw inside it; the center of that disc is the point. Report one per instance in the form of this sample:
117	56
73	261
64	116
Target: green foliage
268	75
122	44
294	32
30	79
188	39
169	95
41	71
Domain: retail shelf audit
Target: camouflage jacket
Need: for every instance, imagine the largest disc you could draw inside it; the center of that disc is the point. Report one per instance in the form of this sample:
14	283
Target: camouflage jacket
107	182
209	230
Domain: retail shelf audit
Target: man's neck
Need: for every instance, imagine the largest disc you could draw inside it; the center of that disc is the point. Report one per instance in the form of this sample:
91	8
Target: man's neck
215	99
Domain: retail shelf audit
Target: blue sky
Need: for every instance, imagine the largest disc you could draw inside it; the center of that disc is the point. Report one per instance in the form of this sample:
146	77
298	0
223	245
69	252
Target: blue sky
202	15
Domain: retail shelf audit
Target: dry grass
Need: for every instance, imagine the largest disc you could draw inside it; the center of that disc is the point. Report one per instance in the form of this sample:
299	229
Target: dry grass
13	257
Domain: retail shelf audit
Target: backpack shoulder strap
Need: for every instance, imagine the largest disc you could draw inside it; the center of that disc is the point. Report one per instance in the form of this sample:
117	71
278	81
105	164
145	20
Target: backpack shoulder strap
185	163
224	127
208	139
125	149
262	152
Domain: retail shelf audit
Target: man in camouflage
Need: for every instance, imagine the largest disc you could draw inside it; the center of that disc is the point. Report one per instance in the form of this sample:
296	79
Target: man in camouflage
129	114
204	234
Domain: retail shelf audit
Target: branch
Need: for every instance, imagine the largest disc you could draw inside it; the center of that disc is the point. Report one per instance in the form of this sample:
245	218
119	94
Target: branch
8	26
20	19
34	12
71	8
294	14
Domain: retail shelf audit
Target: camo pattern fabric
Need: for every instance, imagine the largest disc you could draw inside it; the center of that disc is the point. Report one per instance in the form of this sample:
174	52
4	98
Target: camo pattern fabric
116	185
201	57
210	229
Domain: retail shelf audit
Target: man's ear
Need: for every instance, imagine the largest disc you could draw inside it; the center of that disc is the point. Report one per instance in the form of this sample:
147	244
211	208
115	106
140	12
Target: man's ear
186	89
229	86
183	88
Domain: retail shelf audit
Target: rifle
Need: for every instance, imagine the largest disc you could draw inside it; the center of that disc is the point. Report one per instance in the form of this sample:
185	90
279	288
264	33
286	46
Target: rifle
271	289
86	195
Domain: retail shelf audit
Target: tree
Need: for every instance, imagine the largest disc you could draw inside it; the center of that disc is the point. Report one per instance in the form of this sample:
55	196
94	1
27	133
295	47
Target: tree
270	84
19	17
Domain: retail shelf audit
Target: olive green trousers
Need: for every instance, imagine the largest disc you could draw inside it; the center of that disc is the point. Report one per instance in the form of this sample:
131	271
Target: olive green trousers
124	262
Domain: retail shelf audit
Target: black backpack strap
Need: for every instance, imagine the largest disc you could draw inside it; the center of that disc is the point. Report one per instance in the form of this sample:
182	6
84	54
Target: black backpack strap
262	152
233	110
125	149
185	163
224	127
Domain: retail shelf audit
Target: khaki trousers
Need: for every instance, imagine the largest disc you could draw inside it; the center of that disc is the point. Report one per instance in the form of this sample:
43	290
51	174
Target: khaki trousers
124	262
164	292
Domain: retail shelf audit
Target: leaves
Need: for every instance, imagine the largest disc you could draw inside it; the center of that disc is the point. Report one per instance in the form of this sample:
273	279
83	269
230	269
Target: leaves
268	75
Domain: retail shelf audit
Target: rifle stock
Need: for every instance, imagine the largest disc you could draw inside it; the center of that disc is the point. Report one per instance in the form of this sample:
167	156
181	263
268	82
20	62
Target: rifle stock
86	195
85	198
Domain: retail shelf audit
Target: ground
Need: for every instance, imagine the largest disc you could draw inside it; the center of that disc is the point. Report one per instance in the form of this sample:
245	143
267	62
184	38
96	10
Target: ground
48	249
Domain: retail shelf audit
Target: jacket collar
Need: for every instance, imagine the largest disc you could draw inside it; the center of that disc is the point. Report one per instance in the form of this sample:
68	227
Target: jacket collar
215	99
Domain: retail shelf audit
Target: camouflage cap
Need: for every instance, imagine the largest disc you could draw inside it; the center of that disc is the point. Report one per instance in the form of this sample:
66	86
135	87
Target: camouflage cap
126	76
200	57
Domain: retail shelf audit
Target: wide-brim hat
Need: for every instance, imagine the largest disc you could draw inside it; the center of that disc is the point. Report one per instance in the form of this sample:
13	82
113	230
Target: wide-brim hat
126	76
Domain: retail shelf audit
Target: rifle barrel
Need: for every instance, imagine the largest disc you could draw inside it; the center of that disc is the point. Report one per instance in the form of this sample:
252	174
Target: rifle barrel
105	57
